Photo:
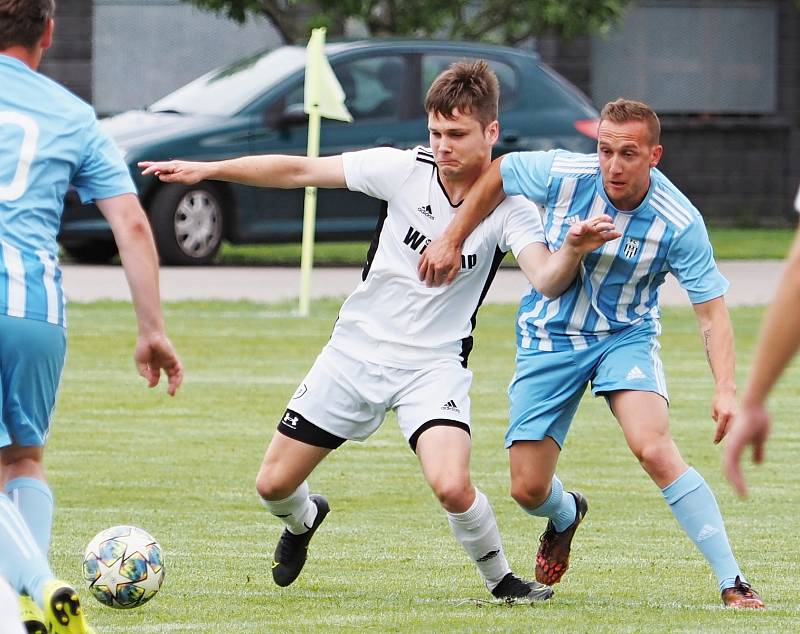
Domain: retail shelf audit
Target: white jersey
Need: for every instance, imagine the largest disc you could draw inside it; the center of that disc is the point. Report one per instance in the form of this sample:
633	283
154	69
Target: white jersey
392	318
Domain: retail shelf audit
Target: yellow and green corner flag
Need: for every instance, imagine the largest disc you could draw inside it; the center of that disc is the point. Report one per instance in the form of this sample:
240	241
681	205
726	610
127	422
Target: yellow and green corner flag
323	97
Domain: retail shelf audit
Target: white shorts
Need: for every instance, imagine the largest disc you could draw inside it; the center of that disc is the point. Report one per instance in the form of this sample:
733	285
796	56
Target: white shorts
349	397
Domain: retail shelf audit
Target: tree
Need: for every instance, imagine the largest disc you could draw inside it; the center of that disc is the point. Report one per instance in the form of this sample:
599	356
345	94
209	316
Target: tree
499	21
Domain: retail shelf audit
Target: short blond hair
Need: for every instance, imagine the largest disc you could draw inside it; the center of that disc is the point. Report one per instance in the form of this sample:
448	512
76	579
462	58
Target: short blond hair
624	110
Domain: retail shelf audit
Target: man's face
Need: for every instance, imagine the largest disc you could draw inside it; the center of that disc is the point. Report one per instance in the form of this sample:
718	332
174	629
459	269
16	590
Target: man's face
460	145
626	155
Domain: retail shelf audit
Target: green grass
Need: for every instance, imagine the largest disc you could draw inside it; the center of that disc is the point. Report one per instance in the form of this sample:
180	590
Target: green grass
729	244
385	560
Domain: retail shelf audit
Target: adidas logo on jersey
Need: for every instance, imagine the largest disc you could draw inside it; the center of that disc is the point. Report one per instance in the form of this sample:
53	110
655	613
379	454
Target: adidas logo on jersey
635	373
706	532
426	211
571	220
451	406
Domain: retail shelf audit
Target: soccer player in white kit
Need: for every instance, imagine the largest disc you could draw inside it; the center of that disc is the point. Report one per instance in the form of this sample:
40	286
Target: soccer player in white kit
397	344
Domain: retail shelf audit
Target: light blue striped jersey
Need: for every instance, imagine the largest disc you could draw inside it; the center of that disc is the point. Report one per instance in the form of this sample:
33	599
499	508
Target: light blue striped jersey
49	138
617	284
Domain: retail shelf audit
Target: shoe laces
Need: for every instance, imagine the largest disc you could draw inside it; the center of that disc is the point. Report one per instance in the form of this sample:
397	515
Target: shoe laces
546	538
288	544
743	587
513	586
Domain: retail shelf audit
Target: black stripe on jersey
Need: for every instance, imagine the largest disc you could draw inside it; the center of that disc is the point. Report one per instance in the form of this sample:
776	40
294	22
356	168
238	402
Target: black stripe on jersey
373	245
424	152
444	191
467	342
424	159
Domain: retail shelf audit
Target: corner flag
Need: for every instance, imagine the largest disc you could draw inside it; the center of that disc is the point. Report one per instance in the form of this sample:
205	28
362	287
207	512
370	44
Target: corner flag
323	97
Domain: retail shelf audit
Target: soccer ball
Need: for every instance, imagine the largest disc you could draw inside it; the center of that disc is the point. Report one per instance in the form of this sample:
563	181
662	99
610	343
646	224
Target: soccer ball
123	566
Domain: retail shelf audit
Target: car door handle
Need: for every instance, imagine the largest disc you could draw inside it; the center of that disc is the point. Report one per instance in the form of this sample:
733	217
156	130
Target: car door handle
511	137
385	141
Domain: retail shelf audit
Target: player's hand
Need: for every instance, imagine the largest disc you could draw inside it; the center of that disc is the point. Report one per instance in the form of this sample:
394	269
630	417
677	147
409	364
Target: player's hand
185	172
588	235
723	409
750	427
440	262
154	352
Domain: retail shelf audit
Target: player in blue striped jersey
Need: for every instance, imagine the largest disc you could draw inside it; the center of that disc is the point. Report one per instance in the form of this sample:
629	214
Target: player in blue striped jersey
603	330
50	139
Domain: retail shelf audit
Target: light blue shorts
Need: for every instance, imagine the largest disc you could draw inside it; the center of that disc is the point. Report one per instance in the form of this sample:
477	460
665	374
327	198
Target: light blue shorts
547	386
31	360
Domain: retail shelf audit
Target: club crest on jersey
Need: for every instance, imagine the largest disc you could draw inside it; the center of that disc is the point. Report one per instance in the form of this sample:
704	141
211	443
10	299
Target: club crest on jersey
426	211
631	248
571	220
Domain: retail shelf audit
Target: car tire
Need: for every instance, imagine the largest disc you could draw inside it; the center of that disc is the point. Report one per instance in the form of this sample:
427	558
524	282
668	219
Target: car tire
92	252
187	223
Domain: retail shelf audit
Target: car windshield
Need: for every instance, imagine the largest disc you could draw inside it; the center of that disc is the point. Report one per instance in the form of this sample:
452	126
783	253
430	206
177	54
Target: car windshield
225	91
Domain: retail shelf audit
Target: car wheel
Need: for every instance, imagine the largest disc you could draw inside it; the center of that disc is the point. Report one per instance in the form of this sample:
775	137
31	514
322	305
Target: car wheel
187	222
92	252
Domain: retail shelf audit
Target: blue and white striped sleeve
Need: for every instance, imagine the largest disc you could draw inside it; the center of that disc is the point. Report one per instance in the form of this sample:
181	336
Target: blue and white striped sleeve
691	260
527	174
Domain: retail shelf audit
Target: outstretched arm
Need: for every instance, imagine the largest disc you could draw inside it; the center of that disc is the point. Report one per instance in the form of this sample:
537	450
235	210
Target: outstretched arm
266	170
552	273
778	342
717	333
131	229
441	260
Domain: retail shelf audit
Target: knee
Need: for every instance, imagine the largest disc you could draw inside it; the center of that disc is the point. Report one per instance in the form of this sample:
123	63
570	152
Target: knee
271	486
455	495
658	458
530	495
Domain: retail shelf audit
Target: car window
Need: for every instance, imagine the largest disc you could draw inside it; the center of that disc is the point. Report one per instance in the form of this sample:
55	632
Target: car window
225	91
434	64
374	87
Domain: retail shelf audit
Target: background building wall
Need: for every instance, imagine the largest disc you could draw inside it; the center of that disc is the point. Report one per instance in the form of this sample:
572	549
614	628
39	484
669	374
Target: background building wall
70	59
737	167
144	49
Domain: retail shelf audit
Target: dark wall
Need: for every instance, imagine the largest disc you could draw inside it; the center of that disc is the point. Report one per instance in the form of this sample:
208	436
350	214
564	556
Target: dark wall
737	170
69	61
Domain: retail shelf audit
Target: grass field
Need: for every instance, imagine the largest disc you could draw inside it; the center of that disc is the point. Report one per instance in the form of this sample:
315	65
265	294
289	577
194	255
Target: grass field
729	244
385	560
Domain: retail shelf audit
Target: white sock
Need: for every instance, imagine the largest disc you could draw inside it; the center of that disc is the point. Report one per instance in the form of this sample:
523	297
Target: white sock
297	511
476	530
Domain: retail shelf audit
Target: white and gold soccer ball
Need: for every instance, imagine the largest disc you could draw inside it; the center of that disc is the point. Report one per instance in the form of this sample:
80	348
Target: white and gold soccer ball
123	566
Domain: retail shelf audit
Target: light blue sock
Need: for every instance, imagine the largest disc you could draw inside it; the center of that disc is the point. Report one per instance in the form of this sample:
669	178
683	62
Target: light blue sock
21	561
558	507
34	500
696	510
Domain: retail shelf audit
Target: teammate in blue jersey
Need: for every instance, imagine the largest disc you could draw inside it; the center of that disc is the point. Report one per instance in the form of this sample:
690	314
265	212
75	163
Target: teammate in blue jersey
603	330
48	139
778	342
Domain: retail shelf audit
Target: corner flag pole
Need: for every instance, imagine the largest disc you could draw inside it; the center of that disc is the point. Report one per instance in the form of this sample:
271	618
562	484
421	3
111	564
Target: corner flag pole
323	97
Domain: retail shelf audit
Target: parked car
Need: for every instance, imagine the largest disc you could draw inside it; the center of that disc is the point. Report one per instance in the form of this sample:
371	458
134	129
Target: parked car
255	106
